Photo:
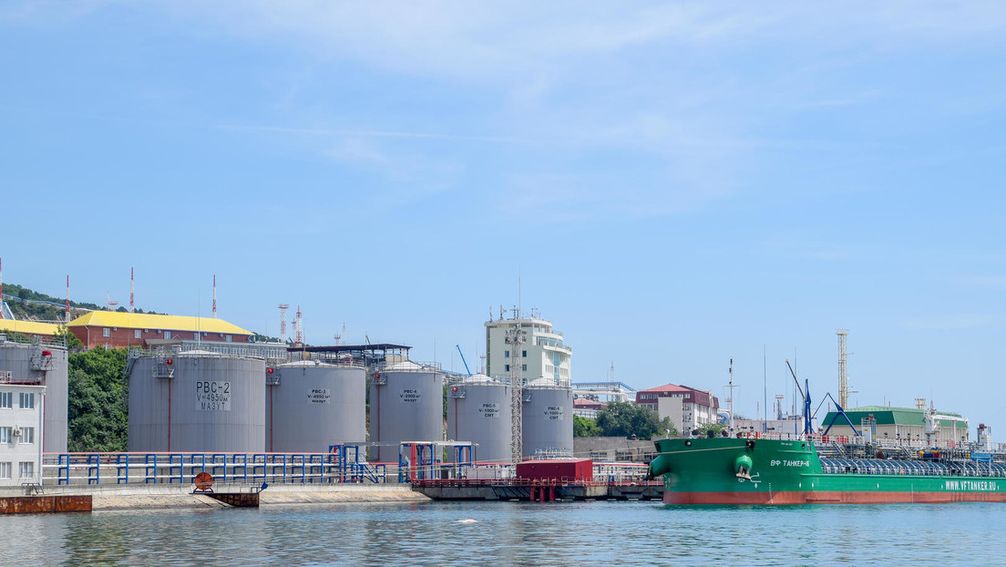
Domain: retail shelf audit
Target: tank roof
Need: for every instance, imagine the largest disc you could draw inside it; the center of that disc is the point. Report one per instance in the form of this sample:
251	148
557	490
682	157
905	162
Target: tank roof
28	327
306	364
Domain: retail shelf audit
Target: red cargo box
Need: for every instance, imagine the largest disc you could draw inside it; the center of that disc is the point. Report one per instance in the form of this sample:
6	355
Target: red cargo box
559	469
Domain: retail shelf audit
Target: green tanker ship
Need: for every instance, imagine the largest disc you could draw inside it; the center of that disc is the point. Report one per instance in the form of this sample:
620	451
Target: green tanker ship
725	470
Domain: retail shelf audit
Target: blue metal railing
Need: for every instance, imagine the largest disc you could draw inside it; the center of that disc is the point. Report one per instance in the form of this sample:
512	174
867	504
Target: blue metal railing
342	465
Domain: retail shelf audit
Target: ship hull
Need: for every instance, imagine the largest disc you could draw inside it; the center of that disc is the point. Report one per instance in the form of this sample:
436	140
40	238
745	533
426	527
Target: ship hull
846	497
777	472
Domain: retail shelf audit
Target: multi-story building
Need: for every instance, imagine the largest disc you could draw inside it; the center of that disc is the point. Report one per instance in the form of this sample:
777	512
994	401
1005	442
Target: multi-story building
688	408
543	356
21	428
115	329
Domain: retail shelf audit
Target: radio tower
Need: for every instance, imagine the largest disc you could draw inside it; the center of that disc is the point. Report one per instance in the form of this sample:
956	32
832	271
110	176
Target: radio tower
843	375
1	288
214	296
282	320
515	337
132	291
298	328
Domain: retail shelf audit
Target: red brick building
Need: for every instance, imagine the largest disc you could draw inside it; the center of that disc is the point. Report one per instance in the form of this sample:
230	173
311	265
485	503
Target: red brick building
116	329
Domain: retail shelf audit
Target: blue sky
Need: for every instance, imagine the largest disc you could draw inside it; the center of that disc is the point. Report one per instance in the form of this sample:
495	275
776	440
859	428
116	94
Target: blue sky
677	183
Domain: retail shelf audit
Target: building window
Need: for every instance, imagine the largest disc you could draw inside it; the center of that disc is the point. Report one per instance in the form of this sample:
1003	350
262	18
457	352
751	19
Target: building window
106	332
6	434
167	335
6	400
5	468
26	469
27	400
506	354
508	368
136	334
523	367
228	338
27	435
523	353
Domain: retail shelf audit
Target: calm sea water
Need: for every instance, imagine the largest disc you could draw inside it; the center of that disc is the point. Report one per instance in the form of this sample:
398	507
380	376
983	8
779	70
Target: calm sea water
624	533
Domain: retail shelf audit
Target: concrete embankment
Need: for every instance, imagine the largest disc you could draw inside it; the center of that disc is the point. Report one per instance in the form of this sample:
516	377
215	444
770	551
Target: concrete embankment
179	497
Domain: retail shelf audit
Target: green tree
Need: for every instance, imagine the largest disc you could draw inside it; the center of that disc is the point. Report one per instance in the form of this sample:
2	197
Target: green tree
98	419
624	419
585	427
715	428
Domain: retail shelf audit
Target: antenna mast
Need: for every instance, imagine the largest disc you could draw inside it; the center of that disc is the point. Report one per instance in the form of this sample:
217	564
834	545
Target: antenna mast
843	363
730	399
132	291
298	329
282	320
67	314
515	339
1	288
214	296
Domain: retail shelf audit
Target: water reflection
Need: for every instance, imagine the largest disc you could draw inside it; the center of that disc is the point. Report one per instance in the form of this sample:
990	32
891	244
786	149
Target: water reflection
514	534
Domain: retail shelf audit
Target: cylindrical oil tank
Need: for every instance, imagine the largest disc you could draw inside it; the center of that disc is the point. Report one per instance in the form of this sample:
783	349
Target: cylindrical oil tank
547	420
45	365
197	401
311	405
479	409
406	404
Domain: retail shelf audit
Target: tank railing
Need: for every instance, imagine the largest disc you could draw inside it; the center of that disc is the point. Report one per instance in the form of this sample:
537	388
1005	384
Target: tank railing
26	339
180	468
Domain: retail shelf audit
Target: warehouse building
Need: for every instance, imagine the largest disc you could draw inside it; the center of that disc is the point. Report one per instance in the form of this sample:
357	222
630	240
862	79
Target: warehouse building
116	329
902	426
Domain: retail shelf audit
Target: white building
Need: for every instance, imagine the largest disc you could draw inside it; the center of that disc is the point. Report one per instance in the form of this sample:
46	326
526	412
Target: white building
544	354
21	422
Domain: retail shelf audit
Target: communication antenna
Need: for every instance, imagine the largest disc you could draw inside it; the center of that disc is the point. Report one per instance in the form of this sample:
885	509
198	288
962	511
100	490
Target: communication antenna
298	327
1	289
843	364
112	304
341	334
515	339
132	291
214	296
282	320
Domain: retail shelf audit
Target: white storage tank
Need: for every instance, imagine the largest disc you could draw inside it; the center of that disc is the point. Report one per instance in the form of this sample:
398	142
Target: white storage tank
479	410
547	420
311	405
406	404
197	401
43	364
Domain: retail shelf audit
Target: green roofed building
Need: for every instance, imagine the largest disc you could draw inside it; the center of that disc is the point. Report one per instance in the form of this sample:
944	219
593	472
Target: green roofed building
900	426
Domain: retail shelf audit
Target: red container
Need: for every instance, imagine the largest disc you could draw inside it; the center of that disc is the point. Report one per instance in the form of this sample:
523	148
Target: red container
579	470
